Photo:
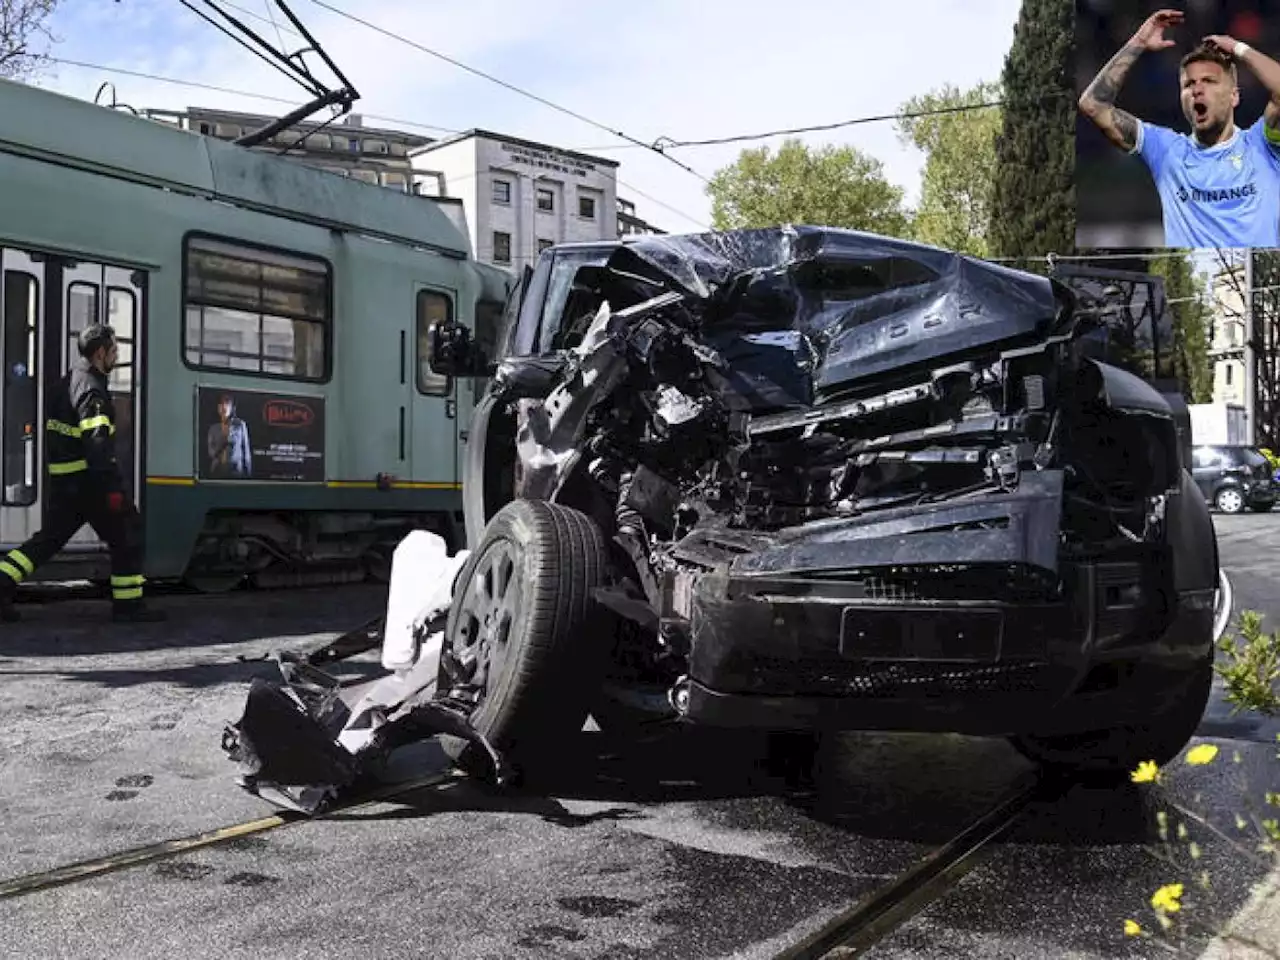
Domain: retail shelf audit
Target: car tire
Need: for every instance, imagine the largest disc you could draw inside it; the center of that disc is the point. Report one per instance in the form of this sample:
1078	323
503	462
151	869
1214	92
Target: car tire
1114	753
1229	500
534	647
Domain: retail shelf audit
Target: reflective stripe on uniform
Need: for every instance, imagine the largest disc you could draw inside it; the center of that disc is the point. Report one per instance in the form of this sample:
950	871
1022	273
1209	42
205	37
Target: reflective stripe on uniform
92	423
74	466
66	429
22	560
10	571
127	587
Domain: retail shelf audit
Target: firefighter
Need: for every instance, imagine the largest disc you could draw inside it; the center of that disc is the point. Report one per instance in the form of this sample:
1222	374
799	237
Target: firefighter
85	485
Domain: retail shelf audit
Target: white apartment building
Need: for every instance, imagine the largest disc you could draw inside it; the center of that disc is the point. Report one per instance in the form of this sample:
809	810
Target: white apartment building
519	196
1229	345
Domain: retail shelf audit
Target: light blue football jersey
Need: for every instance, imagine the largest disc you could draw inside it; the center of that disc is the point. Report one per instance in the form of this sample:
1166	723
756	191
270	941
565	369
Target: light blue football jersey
1227	195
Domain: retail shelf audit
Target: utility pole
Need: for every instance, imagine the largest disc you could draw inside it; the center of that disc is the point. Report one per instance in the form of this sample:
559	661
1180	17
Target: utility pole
1250	352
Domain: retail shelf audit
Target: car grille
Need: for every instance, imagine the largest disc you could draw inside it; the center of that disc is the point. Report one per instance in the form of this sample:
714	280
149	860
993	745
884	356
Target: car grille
894	680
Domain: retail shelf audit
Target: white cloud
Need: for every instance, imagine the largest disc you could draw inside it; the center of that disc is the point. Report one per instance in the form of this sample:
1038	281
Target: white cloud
656	68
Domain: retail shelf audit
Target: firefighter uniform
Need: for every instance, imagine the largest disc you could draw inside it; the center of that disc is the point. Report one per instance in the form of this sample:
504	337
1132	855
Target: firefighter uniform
85	485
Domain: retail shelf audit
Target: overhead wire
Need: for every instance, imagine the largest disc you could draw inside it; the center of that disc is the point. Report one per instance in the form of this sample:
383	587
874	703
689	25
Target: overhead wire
233	92
667	143
222	29
509	86
395	121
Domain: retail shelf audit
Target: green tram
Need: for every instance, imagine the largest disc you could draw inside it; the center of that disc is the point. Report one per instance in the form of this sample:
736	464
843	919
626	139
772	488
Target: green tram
277	413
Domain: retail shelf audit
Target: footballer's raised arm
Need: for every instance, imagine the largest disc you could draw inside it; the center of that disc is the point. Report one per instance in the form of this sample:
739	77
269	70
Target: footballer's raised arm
1264	68
1098	102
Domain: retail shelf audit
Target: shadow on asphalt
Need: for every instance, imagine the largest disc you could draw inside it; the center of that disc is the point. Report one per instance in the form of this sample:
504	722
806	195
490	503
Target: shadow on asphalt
922	789
195	676
83	627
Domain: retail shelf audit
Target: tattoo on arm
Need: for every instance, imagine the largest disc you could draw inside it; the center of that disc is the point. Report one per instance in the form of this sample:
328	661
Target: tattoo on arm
1126	125
1099	99
1106	85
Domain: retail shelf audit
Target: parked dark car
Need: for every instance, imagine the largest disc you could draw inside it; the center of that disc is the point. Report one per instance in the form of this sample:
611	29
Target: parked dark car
1233	478
807	479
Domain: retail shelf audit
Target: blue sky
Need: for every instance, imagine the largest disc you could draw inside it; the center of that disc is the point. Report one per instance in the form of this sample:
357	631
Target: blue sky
650	68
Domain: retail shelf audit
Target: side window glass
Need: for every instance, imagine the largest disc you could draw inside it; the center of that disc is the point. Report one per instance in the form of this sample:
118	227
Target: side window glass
432	307
19	469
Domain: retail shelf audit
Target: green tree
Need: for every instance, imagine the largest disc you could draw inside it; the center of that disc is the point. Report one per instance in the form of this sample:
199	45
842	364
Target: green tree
23	31
828	186
1033	202
959	169
1185	292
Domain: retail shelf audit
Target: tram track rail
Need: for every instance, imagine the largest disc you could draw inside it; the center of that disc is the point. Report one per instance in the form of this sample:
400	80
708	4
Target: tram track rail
94	867
851	933
856	930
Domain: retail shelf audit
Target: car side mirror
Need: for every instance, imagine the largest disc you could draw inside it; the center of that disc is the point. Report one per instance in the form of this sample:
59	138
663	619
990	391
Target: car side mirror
453	354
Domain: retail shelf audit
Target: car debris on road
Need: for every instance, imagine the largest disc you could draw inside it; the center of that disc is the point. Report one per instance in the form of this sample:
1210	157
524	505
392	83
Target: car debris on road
307	740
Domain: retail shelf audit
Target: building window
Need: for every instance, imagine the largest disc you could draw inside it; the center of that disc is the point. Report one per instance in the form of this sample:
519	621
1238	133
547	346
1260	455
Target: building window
501	247
501	191
256	311
546	201
587	208
433	307
545	244
1229	368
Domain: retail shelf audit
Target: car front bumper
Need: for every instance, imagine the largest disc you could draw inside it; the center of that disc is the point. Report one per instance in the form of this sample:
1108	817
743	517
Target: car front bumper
773	645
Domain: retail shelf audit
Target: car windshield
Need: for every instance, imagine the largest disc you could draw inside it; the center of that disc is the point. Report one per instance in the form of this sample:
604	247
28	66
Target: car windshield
1244	457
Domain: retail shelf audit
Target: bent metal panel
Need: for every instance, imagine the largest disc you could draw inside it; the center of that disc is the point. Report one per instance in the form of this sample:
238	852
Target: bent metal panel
253	435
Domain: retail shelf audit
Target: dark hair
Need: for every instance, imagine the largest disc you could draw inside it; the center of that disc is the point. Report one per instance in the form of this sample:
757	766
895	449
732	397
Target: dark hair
1208	53
94	336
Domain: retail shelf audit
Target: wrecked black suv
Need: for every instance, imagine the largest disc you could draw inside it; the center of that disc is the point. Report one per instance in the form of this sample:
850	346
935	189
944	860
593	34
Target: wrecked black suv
807	479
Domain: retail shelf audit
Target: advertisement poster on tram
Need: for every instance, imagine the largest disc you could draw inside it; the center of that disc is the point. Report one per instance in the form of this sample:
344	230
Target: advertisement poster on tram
251	435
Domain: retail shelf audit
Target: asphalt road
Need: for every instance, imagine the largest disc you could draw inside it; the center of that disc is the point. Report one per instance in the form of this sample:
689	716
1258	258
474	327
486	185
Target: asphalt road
109	739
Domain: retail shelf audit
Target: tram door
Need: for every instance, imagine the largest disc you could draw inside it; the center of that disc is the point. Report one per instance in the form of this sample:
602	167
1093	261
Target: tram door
22	300
45	301
98	293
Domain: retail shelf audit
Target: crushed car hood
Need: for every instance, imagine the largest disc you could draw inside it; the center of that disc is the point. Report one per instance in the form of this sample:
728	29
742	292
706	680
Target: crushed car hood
802	313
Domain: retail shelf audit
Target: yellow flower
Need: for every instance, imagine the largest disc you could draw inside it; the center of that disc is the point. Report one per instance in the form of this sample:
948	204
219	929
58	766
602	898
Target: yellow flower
1199	756
1166	898
1131	928
1147	772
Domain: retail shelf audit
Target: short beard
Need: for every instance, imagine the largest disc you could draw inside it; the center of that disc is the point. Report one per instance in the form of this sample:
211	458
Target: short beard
1210	135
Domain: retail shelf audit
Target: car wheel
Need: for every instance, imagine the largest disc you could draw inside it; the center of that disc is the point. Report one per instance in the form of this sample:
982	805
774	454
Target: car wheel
1116	752
1229	500
519	634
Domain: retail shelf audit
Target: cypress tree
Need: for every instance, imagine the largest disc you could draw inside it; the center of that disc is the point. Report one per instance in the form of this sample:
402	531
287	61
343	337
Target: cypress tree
1185	291
1033	202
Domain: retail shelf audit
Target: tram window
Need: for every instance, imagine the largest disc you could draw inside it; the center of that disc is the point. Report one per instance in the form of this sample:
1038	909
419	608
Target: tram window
122	309
19	468
432	306
122	312
256	311
82	307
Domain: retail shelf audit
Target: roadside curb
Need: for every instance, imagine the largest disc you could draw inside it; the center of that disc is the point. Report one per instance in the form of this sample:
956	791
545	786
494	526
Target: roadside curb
1257	921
